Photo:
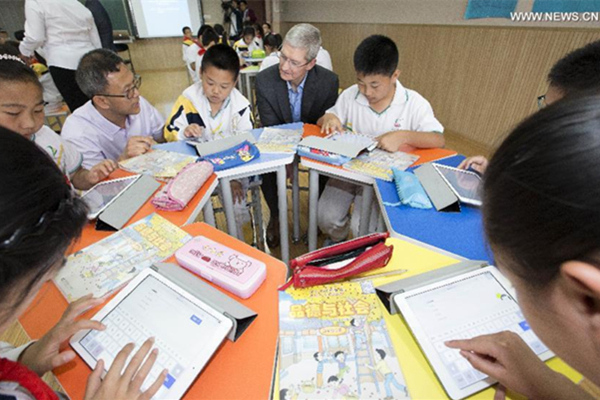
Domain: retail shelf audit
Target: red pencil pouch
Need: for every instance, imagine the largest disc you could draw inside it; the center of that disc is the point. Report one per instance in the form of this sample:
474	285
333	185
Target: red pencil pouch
376	255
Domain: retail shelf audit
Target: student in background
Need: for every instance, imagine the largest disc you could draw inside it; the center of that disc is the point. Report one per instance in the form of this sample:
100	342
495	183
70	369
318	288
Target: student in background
65	41
209	38
223	37
272	45
194	50
213	109
247	44
187	41
260	35
295	90
576	73
41	217
541	214
380	107
248	15
22	111
117	123
267	28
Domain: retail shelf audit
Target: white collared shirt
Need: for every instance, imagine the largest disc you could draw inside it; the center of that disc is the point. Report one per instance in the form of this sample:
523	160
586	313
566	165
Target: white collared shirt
407	111
65	28
64	154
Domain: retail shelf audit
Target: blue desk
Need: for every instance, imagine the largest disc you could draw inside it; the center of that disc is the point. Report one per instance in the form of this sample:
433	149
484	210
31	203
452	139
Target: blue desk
457	233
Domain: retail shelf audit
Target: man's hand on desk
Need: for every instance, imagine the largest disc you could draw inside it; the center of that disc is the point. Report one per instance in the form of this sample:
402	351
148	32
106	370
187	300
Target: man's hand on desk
506	357
330	124
48	352
137	145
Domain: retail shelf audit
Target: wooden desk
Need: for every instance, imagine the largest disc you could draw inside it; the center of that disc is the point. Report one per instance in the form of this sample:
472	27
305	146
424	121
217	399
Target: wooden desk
240	370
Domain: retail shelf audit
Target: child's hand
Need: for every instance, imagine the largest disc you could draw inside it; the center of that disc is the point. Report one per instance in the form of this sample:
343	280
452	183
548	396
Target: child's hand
391	141
46	354
506	357
237	192
100	171
331	124
137	145
193	130
126	385
477	163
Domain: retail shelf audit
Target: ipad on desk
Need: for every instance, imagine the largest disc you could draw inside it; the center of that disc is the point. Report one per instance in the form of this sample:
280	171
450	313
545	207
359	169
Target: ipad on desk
464	184
105	193
187	331
464	306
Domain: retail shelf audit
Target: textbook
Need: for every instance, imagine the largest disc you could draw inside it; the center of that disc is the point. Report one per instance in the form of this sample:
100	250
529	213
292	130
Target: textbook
334	343
379	163
105	266
160	164
276	140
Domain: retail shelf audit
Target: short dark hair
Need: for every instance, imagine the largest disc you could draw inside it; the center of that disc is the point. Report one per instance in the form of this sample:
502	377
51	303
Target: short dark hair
578	71
12	69
40	214
184	28
376	55
222	57
273	40
381	353
19	35
541	197
93	69
208	36
249	31
219	29
202	29
267	24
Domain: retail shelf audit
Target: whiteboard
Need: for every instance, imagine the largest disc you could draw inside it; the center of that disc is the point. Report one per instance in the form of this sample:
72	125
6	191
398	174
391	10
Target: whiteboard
165	18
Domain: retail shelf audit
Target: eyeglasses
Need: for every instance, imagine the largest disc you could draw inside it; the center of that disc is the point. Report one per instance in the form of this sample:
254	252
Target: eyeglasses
541	101
293	63
129	93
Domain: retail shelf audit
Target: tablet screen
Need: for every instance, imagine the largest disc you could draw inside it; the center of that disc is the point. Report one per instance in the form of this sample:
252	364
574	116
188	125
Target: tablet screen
465	183
182	330
469	307
98	197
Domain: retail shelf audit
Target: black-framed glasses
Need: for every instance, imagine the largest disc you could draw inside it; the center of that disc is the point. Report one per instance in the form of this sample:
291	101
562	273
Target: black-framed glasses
129	93
541	100
293	63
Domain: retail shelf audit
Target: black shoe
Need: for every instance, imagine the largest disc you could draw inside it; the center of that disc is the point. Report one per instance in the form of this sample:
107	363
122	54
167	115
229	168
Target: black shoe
273	239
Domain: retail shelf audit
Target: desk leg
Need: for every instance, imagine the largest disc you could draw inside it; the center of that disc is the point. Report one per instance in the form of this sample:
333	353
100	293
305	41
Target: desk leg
209	213
313	201
365	210
296	201
283	218
228	206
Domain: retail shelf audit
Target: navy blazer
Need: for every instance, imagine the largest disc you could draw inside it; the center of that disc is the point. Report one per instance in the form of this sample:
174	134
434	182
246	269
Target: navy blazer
320	93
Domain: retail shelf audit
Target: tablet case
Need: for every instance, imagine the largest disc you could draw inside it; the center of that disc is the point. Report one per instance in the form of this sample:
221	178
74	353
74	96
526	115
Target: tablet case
437	189
386	292
128	203
240	315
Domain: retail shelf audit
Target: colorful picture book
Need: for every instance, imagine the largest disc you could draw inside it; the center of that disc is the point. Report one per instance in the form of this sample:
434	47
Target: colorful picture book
160	164
334	344
110	263
275	140
378	163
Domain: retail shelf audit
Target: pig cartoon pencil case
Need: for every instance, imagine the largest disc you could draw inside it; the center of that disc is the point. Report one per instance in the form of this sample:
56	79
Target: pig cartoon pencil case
233	271
176	194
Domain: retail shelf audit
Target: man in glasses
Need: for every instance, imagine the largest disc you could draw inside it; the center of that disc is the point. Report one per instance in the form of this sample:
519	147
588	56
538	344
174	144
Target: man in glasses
295	90
116	123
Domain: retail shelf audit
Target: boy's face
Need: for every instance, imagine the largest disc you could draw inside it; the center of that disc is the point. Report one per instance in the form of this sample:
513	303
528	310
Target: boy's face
21	108
248	39
377	88
187	33
217	84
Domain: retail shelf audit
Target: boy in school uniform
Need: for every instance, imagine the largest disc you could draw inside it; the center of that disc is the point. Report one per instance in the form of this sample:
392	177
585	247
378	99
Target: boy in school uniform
379	106
209	38
213	109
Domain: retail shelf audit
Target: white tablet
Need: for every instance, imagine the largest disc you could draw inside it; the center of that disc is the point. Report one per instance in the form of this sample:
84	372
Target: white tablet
464	184
187	331
476	303
104	193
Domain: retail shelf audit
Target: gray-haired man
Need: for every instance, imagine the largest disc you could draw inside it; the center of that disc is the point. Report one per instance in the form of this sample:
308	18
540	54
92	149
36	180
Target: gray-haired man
296	90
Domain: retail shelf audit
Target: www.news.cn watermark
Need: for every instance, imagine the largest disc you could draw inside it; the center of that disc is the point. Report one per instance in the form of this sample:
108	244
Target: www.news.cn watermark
555	16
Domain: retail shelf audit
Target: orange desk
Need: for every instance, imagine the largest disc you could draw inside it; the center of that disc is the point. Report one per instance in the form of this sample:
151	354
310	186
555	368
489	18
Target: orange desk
240	370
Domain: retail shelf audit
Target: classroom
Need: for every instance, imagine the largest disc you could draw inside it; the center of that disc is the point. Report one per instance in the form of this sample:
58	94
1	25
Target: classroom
299	199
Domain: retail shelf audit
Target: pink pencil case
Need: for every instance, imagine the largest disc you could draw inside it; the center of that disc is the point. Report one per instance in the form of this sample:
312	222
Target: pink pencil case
223	266
176	194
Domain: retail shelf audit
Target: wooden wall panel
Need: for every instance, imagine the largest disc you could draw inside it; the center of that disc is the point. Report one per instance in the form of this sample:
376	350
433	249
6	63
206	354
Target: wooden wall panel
156	54
481	81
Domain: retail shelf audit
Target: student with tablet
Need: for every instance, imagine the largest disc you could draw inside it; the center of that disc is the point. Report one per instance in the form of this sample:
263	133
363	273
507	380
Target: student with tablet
41	216
541	214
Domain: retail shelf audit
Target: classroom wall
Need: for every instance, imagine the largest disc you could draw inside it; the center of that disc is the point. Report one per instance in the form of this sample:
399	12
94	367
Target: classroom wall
480	80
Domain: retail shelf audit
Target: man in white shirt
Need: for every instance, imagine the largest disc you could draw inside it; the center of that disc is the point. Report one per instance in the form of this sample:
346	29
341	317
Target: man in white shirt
66	30
117	123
